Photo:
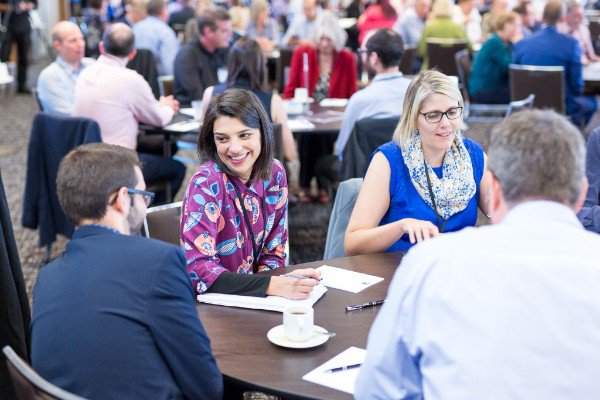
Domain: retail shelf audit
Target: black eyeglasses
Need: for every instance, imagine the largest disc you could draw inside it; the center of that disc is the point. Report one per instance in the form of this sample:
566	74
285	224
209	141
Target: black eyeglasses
434	117
148	196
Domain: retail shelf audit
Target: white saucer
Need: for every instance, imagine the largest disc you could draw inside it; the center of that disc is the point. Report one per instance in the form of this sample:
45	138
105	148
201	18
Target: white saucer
277	336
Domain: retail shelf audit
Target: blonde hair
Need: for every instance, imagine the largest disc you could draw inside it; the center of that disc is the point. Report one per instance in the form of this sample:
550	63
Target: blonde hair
257	7
503	19
424	85
442	8
328	26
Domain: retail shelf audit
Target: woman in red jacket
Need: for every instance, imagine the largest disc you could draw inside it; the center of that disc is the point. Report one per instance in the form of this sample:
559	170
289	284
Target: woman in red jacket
331	74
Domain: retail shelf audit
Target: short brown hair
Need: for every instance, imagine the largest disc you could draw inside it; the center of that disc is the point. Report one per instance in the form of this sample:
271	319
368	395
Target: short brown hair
244	105
89	174
209	17
553	12
503	19
154	7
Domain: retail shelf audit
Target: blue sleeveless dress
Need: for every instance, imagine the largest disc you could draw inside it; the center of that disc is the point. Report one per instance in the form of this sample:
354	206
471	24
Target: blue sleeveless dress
405	201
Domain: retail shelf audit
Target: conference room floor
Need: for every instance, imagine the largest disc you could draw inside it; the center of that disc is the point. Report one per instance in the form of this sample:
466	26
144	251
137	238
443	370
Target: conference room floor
308	222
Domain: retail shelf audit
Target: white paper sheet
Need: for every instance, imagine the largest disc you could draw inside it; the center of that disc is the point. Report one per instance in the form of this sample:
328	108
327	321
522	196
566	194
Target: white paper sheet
300	124
342	380
270	303
350	281
184	126
188	111
333	103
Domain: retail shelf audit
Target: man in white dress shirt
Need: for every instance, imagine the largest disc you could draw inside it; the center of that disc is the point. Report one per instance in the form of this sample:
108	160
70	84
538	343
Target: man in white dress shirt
56	83
508	311
467	15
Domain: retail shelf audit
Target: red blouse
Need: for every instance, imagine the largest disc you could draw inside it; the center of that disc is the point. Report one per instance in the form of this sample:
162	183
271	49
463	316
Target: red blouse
373	18
344	76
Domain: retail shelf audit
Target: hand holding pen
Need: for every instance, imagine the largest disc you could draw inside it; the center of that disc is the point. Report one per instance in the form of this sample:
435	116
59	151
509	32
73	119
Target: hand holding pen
296	285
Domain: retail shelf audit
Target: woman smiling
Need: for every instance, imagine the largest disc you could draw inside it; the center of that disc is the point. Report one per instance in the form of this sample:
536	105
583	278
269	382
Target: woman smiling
233	221
427	181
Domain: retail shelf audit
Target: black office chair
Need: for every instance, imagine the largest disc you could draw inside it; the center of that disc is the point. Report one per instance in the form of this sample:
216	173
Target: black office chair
366	136
408	59
546	83
166	85
283	67
441	51
145	65
28	384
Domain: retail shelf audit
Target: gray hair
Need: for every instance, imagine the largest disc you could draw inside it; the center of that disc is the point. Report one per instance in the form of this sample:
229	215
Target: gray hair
538	154
328	26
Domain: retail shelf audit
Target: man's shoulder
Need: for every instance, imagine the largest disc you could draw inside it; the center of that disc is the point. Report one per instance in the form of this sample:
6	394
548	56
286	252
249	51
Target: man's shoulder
50	71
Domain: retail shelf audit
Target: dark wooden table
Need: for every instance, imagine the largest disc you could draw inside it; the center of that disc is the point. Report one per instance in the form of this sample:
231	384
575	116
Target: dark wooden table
245	355
328	128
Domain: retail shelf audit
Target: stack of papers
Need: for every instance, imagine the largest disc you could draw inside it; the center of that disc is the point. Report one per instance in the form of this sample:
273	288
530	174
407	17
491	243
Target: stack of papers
333	103
343	279
300	124
184	126
342	380
270	303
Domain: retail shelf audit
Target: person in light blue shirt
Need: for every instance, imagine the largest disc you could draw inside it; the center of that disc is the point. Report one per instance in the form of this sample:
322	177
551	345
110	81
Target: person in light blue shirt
507	311
383	98
56	83
299	31
411	23
153	33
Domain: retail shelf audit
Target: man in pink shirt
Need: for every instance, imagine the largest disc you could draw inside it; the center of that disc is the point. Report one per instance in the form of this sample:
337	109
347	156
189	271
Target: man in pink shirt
574	26
119	98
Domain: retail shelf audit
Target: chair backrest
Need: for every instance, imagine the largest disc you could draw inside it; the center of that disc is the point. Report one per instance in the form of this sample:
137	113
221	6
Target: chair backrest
278	136
162	223
52	137
520	105
166	85
463	66
441	53
283	65
407	60
28	384
546	83
366	136
340	216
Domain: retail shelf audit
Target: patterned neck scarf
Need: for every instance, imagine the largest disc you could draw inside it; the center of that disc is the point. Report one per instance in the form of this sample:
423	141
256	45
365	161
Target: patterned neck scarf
457	186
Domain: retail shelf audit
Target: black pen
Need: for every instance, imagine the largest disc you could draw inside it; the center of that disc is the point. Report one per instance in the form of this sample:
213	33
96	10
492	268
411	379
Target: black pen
344	368
361	306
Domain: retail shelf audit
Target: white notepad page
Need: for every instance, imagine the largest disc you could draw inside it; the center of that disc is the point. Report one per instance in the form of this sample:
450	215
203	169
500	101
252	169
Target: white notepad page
270	303
342	380
343	279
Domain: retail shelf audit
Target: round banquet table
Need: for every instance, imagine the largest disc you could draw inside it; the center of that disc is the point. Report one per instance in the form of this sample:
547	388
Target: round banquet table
249	360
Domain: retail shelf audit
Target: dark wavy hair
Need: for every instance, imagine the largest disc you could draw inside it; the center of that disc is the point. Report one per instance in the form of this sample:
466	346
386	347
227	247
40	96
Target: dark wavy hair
246	60
245	106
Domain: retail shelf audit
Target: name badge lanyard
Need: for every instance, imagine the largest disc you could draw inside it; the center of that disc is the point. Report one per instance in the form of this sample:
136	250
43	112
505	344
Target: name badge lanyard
255	248
437	214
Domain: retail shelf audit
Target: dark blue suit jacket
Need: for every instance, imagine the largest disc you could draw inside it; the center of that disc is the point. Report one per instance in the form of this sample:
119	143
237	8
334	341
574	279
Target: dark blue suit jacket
548	47
589	215
114	318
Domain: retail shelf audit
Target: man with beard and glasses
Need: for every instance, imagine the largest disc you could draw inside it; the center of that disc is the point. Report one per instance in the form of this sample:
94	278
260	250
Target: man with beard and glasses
114	315
383	98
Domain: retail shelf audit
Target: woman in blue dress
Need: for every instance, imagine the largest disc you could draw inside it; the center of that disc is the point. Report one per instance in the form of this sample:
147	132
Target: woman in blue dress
428	180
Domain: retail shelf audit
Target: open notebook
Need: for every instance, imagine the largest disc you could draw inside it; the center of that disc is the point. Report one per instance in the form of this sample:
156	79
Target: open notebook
270	303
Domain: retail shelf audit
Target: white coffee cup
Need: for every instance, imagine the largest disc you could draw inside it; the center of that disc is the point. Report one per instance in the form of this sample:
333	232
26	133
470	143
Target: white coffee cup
298	323
293	107
301	94
198	110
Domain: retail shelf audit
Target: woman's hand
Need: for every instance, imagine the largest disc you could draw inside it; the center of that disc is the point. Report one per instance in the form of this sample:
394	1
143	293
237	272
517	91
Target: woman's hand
294	288
418	230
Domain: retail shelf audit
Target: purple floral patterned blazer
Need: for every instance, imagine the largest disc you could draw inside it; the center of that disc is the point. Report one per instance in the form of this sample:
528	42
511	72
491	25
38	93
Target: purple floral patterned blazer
214	232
